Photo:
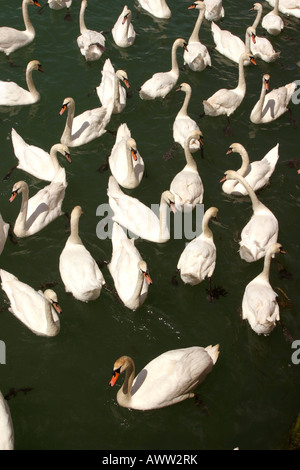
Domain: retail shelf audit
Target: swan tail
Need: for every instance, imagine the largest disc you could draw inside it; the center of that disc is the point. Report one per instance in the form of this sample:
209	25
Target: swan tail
123	131
213	351
272	156
5	276
290	87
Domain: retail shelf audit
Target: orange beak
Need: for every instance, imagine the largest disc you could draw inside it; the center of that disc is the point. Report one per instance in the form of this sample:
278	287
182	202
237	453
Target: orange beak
253	38
173	208
57	307
63	108
266	85
114	378
192	6
223	179
126	83
228	151
124	19
133	153
67	155
252	60
37	4
148	278
13	196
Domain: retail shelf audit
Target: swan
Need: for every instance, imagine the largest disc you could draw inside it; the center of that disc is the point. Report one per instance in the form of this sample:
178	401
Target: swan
110	87
168	379
35	160
230	45
36	309
272	21
12	94
161	83
226	101
85	127
138	218
262	47
78	269
214	10
128	270
259	305
12	39
4	229
271	106
125	161
7	439
198	259
287	7
59	4
197	56
262	229
123	31
40	209
183	124
91	43
187	185
257	173
157	8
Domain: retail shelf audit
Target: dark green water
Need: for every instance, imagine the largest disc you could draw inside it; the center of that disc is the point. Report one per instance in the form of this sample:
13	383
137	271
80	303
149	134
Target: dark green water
252	393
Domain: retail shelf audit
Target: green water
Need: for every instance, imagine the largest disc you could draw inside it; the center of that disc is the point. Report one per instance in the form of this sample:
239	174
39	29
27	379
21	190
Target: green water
252	393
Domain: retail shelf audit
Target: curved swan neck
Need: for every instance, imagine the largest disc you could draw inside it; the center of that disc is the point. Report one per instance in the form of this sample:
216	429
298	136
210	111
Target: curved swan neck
53	155
267	264
195	34
276	7
174	62
254	199
52	327
28	25
30	84
67	134
116	89
82	26
187	98
245	160
138	286
205	226
258	17
124	394
74	224
190	161
21	220
242	82
261	101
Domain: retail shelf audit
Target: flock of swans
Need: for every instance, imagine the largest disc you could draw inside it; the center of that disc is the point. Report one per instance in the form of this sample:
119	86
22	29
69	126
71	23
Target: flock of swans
174	375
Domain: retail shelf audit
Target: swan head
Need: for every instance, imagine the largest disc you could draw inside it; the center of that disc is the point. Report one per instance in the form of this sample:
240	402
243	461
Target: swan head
120	366
184	87
18	188
230	175
34	65
131	143
212	212
181	43
169	198
276	248
236	148
63	150
66	104
256	6
198	5
252	33
76	212
127	15
195	135
122	75
144	269
51	296
247	56
33	2
266	80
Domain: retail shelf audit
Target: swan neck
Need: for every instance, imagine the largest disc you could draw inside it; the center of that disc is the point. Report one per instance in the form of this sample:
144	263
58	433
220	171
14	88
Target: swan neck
116	89
257	19
30	84
28	25
163	219
124	393
21	220
52	327
276	7
174	62
254	199
205	227
195	34
242	81
82	26
261	101
190	161
139	285
74	224
267	264
186	101
245	161
53	155
67	134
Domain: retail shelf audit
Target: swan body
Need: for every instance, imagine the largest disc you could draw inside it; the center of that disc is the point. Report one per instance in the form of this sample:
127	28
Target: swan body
12	94
36	161
226	101
214	10
230	45
257	173
4	228
36	309
187	185
91	43
12	39
271	106
128	270
78	269
110	87
272	21
197	56
161	83
262	229
259	305
123	31
139	219
59	4
157	8
262	47
287	7
183	124
84	127
125	161
7	439
168	379
42	208
198	260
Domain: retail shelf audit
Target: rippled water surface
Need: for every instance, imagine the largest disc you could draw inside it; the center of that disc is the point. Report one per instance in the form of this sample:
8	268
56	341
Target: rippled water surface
252	395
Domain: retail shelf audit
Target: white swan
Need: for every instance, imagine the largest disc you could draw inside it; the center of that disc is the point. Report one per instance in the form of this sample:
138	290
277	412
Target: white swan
40	209
36	309
84	127
91	43
157	8
262	47
36	161
125	161
257	173
214	10
12	39
7	438
262	229
183	124
110	87
226	101
272	21
123	31
259	305
168	379
187	185
197	56
230	45
78	269
139	219
12	94
4	229
287	7
271	106
198	259
161	83
128	270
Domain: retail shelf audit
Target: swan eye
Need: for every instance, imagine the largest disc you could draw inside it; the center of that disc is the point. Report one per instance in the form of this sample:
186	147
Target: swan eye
116	371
